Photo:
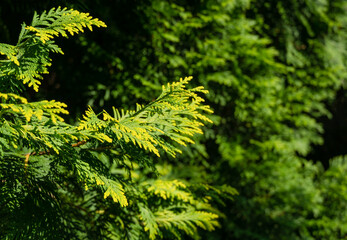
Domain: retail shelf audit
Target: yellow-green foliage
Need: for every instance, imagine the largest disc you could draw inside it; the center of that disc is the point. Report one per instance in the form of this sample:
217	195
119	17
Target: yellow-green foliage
169	189
110	187
28	110
61	21
10	52
174	114
28	60
60	167
175	207
187	221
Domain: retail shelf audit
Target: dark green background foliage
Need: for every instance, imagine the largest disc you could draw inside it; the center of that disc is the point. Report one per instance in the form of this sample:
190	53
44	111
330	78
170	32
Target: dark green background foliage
273	69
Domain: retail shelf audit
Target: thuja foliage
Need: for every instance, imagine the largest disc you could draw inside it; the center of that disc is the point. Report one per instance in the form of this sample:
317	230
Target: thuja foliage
101	178
272	68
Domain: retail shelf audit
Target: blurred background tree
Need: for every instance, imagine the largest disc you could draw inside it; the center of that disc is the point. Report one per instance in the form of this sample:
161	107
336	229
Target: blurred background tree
276	73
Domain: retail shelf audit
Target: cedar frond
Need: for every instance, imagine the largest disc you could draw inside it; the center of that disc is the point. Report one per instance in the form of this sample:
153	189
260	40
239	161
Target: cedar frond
29	59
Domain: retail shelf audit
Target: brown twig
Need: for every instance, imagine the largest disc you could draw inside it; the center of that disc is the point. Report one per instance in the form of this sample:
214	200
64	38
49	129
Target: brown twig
79	143
26	161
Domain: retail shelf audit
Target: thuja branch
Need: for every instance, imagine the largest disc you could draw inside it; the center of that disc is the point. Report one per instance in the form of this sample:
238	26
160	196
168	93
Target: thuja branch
48	152
152	103
26	161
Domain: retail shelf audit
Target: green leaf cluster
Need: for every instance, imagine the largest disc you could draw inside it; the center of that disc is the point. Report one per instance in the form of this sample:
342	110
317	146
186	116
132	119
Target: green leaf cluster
97	178
29	59
272	69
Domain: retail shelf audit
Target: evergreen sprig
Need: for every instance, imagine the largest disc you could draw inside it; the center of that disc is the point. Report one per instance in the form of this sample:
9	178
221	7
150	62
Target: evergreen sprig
29	59
56	178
